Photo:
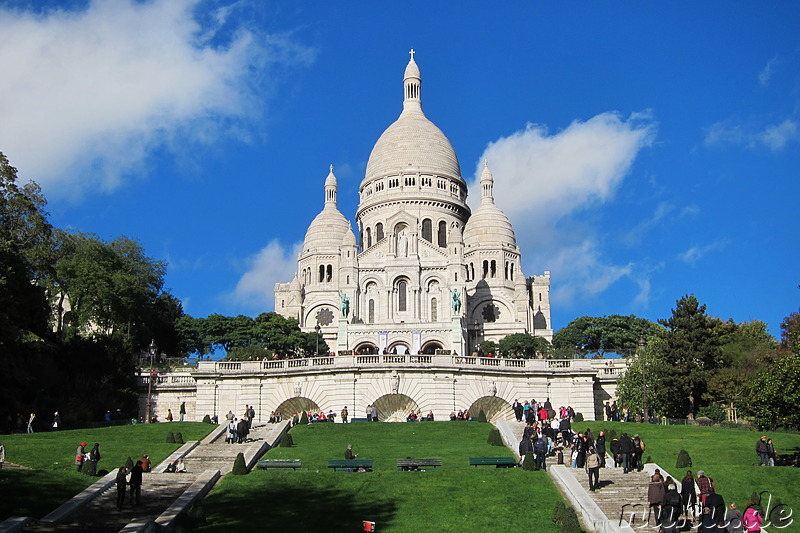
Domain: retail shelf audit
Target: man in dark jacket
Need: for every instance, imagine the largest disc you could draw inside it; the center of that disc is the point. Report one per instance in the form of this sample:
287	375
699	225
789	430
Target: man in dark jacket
517	410
671	508
655	496
614	447
540	450
565	427
626	451
242	430
136	484
122	484
762	449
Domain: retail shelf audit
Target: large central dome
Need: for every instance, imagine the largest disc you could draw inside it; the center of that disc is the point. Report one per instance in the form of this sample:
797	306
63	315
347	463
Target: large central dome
412	142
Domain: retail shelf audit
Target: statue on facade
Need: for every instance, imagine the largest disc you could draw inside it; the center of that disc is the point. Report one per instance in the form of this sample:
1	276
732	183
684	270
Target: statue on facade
402	244
344	306
456	303
395	382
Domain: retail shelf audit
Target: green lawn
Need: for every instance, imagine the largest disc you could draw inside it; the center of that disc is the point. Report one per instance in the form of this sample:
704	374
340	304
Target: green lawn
726	455
53	479
454	497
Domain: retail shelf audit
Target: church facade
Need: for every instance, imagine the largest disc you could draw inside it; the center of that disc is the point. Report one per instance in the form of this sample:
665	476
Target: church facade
422	272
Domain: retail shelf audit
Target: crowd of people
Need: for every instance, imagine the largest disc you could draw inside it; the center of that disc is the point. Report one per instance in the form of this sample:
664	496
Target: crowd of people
238	429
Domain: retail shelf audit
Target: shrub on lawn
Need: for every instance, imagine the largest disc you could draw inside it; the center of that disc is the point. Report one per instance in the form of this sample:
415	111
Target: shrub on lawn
780	514
649	459
89	468
684	461
494	437
529	462
557	516
303	419
129	463
481	416
611	435
170	438
570	523
239	469
286	441
578	417
179	438
206	419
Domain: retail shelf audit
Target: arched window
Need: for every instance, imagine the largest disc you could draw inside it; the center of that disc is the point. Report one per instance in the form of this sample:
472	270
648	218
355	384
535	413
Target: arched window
371	312
427	230
321	273
506	270
378	232
512	271
442	234
401	295
494	269
330	273
434	310
472	271
369	237
485	269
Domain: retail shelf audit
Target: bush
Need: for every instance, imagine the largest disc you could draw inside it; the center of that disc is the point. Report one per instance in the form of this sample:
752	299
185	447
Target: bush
286	441
557	516
89	468
179	438
304	418
495	439
578	417
570	523
129	463
684	461
170	438
649	459
206	419
481	416
712	411
239	469
529	462
780	515
611	435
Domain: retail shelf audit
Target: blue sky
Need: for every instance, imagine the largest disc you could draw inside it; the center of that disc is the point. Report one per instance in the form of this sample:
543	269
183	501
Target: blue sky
642	151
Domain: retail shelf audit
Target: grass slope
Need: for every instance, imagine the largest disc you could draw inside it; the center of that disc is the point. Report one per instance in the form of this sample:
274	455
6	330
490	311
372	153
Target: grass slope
53	479
726	455
454	497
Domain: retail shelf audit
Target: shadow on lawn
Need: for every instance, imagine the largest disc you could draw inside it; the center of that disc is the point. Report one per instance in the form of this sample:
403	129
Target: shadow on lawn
34	493
292	508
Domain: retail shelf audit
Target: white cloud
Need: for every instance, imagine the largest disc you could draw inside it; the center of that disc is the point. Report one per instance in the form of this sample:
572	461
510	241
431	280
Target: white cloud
543	179
692	255
772	136
273	264
97	89
765	75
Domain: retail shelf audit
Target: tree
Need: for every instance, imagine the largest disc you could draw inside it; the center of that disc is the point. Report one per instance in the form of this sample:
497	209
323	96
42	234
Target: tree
660	399
604	334
692	352
524	344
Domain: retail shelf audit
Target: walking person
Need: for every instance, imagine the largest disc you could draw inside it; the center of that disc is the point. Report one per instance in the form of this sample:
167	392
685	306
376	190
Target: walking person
94	455
182	411
136	484
671	510
688	495
344	415
30	422
655	497
600	447
734	519
122	485
593	469
56	421
79	453
762	449
771	452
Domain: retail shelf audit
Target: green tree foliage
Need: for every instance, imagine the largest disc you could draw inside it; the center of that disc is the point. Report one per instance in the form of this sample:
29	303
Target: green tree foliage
683	460
790	335
651	358
529	462
495	439
179	438
775	394
605	334
524	344
488	347
170	437
287	441
557	515
692	353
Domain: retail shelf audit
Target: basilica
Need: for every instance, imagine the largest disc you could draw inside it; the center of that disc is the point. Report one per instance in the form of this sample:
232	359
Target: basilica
424	273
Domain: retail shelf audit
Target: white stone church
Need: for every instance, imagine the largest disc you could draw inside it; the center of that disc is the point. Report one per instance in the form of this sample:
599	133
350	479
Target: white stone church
425	273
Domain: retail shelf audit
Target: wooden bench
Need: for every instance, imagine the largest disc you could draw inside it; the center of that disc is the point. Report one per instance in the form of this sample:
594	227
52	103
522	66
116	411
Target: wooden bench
351	464
354	420
294	464
416	464
499	462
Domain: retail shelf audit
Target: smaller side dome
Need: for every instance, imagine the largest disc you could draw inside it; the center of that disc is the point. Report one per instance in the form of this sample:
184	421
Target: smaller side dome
488	225
328	228
349	237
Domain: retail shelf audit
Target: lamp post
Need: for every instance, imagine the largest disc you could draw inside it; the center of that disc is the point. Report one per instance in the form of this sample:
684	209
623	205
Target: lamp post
152	352
317	328
644	383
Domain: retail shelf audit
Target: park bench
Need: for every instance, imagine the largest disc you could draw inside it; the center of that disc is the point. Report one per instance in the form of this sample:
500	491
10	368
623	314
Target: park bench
499	462
416	464
353	420
294	464
350	464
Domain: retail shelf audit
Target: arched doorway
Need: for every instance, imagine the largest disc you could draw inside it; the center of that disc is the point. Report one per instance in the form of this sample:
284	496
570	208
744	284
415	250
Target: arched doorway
495	408
366	348
399	348
394	407
430	347
297	405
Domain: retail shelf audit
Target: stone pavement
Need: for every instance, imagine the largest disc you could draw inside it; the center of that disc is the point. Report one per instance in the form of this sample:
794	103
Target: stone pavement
160	490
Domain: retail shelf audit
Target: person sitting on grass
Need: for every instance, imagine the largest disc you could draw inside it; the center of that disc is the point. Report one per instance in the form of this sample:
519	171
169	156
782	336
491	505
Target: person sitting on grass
348	453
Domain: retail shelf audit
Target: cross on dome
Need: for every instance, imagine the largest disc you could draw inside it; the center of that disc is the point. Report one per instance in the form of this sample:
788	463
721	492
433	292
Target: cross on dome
412	52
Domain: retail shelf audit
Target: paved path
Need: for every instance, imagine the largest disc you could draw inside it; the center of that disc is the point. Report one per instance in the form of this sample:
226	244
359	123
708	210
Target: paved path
159	490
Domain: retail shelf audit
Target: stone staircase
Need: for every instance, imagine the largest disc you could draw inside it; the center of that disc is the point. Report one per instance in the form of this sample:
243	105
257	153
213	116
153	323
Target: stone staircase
160	490
620	495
